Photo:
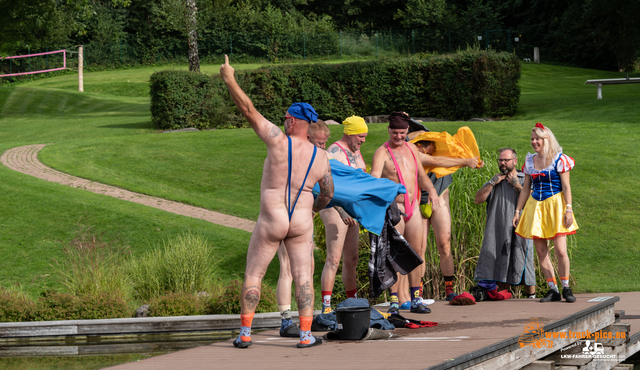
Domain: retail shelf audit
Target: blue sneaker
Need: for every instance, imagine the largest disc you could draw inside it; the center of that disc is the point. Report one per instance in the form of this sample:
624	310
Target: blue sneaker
451	296
418	307
393	309
406	305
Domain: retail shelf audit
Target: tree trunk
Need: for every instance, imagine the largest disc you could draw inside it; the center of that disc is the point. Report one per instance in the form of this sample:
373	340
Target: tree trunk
194	60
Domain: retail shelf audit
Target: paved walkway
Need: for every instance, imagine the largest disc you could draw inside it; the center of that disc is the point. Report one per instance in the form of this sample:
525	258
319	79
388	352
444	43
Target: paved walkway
460	331
25	159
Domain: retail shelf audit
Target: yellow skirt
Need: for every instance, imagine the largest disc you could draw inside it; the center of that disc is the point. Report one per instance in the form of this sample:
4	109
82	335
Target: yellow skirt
544	219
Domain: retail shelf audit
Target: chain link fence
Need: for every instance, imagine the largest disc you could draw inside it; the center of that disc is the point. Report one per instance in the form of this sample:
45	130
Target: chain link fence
256	48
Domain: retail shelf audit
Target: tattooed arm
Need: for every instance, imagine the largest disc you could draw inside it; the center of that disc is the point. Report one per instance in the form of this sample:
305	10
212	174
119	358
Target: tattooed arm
326	190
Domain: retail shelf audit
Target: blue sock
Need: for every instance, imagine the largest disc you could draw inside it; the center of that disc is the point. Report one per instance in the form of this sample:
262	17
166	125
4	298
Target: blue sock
245	334
305	330
285	323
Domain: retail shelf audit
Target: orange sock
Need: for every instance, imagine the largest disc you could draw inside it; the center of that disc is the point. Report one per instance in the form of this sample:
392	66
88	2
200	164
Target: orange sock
552	283
305	329
245	327
448	285
564	281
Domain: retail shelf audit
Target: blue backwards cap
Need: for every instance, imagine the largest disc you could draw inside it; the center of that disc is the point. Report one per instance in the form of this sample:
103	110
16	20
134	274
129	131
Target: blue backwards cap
303	111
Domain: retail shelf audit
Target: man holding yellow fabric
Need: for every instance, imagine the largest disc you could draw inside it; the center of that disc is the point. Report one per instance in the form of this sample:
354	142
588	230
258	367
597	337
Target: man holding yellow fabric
441	155
342	231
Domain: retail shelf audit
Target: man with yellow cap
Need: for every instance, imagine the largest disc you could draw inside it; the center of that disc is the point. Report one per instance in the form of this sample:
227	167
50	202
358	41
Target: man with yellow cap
342	231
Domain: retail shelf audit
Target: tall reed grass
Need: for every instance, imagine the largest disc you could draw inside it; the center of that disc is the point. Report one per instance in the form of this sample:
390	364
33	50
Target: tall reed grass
467	229
93	267
183	264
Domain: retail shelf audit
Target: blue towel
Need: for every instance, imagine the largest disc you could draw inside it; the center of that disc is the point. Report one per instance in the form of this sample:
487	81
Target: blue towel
362	196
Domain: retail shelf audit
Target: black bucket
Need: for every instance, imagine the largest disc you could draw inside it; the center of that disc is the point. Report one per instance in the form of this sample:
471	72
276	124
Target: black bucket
353	322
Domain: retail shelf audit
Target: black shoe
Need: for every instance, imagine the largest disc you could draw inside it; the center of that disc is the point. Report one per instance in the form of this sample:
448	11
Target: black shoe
394	310
450	296
316	343
567	294
552	296
290	331
419	307
241	344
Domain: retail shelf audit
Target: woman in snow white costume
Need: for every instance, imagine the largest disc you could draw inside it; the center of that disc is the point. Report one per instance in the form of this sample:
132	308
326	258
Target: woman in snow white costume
548	214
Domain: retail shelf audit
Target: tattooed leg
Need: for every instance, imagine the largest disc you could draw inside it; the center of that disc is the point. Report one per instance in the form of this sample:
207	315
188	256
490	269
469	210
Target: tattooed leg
304	297
250	298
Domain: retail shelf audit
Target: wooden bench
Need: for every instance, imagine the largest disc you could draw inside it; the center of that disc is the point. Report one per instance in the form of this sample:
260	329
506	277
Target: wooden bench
612	81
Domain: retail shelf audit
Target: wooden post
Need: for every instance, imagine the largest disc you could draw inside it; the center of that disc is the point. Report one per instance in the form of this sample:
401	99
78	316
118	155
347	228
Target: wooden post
599	91
536	55
80	66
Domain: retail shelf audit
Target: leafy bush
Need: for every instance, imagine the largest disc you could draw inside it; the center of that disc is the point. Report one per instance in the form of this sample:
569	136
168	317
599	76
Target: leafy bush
453	86
57	306
65	306
102	306
15	305
176	304
187	99
184	265
227	300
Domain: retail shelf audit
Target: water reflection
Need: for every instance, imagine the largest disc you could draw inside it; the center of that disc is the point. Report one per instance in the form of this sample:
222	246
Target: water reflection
107	344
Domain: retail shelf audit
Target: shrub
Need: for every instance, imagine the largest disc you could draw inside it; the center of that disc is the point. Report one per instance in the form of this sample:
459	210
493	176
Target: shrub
65	306
227	300
183	265
176	304
57	306
15	305
188	99
453	86
102	306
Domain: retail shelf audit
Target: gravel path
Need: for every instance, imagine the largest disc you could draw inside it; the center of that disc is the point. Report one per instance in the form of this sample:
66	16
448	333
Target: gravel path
25	159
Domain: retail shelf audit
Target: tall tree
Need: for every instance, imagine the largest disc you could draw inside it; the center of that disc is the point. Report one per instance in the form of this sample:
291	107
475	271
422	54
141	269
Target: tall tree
183	16
615	28
192	34
34	24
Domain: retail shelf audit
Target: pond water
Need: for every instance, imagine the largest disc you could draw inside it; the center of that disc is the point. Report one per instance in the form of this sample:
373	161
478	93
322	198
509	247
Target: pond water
69	363
97	352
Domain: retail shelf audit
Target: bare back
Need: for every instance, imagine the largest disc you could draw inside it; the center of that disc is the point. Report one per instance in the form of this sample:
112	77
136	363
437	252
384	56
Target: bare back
274	191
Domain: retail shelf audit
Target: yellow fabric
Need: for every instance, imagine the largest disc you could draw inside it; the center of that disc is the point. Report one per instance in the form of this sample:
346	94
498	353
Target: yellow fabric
384	314
425	209
544	219
355	125
461	145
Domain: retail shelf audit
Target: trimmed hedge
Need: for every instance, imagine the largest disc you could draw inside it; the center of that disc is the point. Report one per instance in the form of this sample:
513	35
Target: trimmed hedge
15	307
470	83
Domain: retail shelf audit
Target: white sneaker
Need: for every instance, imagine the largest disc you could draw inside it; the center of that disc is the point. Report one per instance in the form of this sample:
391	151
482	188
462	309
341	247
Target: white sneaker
427	302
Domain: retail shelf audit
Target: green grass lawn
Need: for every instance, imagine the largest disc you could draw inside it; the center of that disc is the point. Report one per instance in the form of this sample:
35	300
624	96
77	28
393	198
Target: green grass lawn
105	134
